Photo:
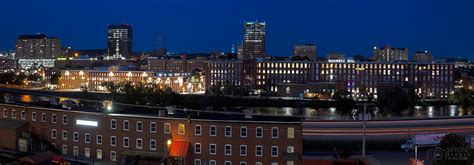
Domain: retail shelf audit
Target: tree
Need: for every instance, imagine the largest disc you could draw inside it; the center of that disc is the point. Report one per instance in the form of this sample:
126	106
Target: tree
344	102
394	100
55	78
454	150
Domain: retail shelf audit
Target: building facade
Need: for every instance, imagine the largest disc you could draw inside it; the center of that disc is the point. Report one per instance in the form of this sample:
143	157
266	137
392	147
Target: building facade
307	50
37	50
254	40
175	65
389	54
118	138
119	41
430	80
37	46
423	56
93	80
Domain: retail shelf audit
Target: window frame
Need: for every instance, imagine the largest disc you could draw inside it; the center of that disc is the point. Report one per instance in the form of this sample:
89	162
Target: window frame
245	151
261	132
196	148
210	149
196	130
210	130
241	131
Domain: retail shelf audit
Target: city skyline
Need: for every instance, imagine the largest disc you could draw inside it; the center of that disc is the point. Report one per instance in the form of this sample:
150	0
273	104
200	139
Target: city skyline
351	31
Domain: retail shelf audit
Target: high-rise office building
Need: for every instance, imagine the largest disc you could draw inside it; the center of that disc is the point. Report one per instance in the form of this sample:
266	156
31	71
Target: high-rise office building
389	54
37	46
119	41
254	40
307	50
423	56
37	50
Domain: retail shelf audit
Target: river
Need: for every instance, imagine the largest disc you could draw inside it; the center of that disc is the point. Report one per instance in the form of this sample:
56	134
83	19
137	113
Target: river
315	112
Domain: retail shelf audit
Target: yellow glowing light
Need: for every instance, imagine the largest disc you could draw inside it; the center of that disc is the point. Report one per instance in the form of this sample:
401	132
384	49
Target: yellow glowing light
168	142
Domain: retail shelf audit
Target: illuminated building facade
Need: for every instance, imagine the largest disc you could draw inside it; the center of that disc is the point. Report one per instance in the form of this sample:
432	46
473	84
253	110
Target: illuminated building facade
254	40
94	80
423	56
307	50
430	80
37	50
175	65
389	54
119	41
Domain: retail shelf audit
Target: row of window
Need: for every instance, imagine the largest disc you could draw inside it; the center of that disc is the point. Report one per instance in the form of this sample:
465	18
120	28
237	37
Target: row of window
242	149
198	129
54	117
87	153
113	139
214	162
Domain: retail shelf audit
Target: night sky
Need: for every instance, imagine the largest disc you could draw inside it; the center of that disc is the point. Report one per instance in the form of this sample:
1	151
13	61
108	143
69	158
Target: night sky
446	28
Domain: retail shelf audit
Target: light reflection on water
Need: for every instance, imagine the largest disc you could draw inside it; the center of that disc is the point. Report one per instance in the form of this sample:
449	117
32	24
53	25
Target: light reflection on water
327	113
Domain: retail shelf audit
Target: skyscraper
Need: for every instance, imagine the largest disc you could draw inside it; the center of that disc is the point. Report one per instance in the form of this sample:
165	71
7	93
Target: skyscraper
37	46
119	41
389	54
37	50
307	50
254	40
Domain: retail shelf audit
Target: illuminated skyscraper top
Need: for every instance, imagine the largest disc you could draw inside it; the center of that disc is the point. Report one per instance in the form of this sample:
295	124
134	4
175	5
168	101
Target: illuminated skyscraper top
119	41
254	40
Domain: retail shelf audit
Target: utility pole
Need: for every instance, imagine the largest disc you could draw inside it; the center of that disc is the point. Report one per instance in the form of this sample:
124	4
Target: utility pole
364	129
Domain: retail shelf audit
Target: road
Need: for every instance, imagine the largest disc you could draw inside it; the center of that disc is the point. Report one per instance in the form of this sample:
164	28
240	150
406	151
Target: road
389	130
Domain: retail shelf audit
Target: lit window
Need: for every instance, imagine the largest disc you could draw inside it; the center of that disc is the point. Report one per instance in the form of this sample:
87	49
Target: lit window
87	152
290	149
181	129
99	154
291	132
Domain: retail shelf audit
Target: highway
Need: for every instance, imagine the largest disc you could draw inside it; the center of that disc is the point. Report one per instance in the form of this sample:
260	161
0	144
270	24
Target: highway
388	130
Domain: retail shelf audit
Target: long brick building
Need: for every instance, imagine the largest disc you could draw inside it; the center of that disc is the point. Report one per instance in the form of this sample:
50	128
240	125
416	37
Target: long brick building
143	137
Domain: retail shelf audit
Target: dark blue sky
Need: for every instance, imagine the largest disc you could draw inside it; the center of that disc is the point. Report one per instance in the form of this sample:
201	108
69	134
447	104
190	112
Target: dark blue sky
349	26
